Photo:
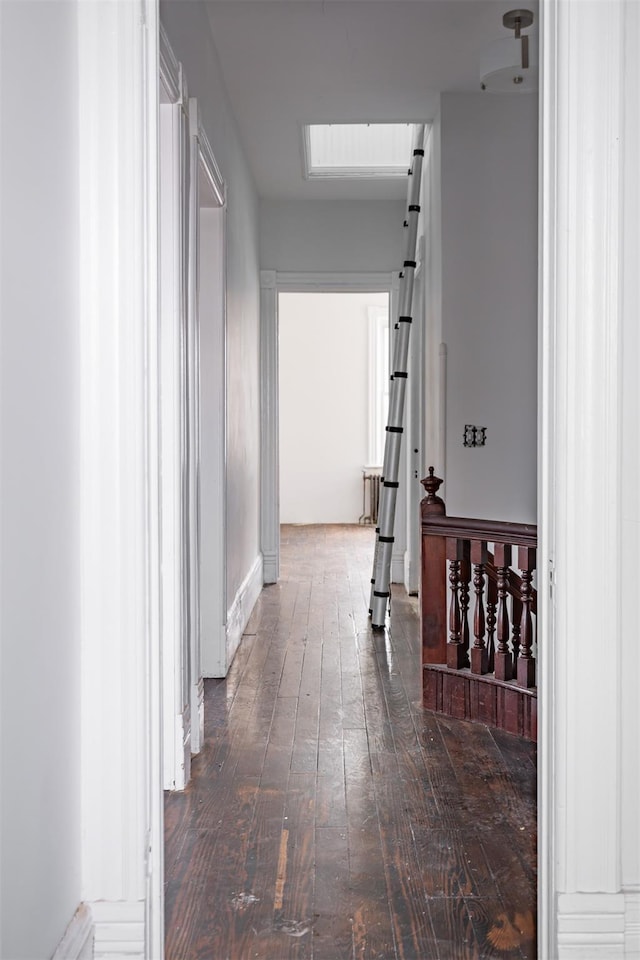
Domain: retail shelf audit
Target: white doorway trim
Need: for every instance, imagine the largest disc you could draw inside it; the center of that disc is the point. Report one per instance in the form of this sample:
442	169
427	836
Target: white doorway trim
211	298
173	145
121	703
271	284
190	180
269	429
201	160
590	128
171	86
547	177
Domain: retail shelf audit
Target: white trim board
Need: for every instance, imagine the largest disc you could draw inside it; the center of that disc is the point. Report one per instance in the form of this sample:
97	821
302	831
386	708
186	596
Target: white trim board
121	784
547	190
213	409
591	925
119	930
588	305
242	607
170	70
172	323
632	924
77	942
269	432
205	152
331	282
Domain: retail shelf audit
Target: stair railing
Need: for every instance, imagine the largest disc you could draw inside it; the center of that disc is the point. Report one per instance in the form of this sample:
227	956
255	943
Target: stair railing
478	605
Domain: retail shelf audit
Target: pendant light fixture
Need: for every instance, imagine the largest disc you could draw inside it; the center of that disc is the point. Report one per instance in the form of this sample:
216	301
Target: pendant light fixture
510	65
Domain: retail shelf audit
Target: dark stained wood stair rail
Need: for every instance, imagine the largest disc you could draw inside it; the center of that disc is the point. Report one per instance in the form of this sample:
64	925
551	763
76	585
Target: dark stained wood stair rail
486	671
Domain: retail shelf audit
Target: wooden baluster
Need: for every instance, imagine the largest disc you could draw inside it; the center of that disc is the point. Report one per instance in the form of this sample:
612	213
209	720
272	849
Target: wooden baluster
456	653
504	663
454	642
516	617
492	600
526	664
479	556
465	579
433	587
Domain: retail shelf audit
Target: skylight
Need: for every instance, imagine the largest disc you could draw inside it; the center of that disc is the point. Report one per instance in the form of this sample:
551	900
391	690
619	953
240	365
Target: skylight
369	150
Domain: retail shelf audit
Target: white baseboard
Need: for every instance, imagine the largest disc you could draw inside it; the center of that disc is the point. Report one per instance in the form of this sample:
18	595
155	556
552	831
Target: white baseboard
77	942
397	568
270	568
197	721
242	606
591	926
632	924
119	929
411	575
177	777
184	748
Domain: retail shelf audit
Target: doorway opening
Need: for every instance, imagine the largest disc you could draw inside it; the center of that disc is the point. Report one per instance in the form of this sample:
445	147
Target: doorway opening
274	285
193	418
333	398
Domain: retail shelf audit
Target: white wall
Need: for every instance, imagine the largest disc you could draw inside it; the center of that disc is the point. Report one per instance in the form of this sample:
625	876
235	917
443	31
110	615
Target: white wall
39	374
324	390
331	235
189	33
489	301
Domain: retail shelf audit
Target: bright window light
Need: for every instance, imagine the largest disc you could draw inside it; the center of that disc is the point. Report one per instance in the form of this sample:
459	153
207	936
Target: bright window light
368	150
378	381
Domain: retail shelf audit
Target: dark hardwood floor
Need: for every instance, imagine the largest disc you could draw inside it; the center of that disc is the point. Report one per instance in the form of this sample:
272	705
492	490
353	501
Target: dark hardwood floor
330	816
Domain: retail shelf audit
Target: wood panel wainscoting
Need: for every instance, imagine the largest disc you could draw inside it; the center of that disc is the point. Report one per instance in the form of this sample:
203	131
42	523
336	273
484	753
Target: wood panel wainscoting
478	651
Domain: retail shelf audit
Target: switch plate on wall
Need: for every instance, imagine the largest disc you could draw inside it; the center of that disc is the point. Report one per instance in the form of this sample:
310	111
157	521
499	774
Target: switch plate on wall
474	436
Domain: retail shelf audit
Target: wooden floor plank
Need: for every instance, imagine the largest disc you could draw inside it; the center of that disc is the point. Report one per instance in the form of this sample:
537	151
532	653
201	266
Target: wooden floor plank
330	817
333	938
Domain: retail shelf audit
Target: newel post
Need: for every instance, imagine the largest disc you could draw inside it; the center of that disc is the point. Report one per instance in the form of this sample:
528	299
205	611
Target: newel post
433	604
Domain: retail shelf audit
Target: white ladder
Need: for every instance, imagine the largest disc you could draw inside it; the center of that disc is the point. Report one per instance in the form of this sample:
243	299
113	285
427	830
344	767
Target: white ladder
381	577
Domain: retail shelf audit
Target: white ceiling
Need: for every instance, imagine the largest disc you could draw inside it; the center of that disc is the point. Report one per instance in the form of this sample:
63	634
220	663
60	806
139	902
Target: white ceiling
290	62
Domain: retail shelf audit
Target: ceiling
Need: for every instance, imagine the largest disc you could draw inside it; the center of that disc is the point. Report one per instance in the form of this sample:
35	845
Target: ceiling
289	62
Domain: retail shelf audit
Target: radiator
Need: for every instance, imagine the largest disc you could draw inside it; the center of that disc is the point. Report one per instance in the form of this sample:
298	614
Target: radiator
370	497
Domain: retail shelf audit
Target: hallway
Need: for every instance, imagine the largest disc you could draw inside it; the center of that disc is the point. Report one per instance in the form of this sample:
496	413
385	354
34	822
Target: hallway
328	817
